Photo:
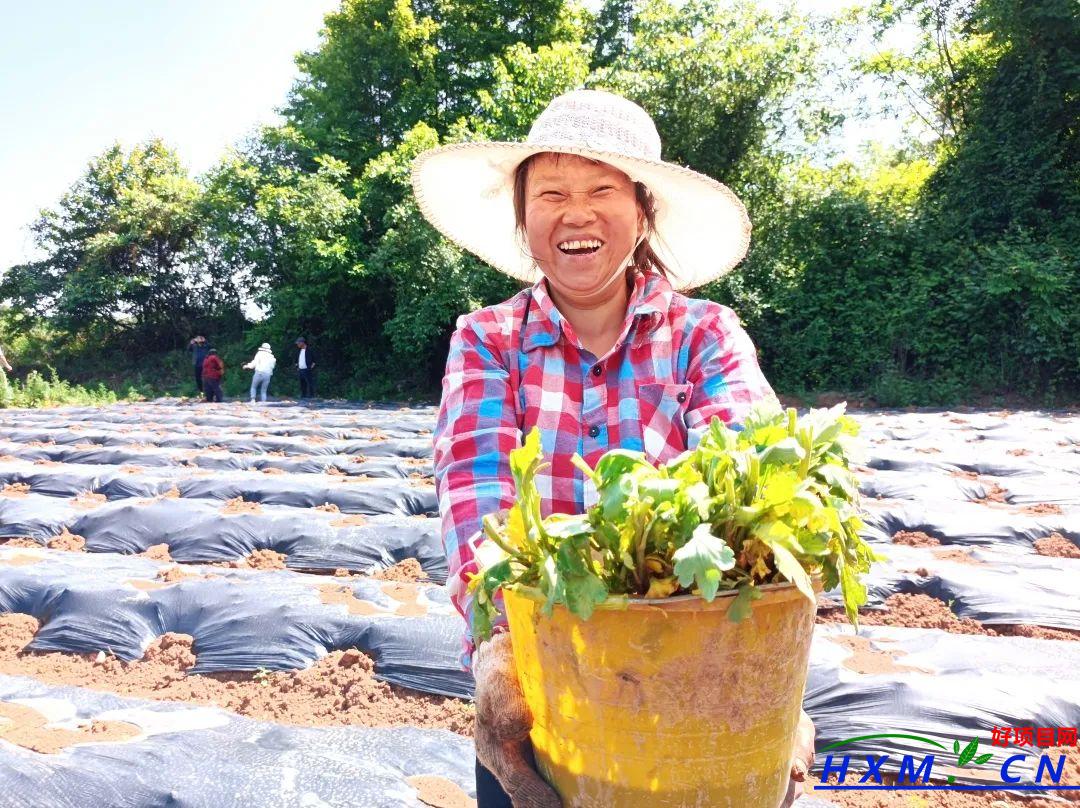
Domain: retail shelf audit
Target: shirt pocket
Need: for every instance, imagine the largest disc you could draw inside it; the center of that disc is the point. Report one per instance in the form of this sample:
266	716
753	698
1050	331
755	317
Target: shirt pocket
663	422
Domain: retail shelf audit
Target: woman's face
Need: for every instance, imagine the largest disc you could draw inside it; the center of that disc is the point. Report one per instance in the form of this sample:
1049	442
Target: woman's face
582	219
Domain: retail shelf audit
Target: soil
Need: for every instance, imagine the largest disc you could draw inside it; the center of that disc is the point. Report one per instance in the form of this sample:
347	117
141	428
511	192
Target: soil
26	727
911	611
67	541
266	560
341	595
957	555
87	501
407	571
352	520
866	659
923	611
966	475
171	575
914	538
439	792
1041	509
1056	546
995	493
157	552
15	490
338	690
20	542
327	507
239	505
1039	633
1019	452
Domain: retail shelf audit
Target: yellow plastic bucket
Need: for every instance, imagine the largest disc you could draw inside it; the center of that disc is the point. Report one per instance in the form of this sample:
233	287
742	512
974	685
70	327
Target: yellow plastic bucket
665	702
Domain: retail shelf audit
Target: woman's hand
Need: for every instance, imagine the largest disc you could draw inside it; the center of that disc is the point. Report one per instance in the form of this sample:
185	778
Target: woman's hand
803	761
503	721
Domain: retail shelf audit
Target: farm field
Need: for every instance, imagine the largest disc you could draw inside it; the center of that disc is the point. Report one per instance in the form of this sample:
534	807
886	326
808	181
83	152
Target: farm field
238	605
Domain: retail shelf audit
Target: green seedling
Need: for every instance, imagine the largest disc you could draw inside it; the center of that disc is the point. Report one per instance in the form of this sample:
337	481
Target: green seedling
773	502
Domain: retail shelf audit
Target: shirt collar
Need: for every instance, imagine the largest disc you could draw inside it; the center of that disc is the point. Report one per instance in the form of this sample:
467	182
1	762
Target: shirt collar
650	300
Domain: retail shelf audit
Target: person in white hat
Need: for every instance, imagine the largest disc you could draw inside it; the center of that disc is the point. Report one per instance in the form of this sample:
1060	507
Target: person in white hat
263	364
600	351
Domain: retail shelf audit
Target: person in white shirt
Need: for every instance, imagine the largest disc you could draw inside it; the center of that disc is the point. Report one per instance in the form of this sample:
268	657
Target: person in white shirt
305	365
263	364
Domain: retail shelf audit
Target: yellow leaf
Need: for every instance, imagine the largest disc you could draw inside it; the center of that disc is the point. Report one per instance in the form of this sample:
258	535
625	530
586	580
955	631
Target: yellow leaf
515	528
662	587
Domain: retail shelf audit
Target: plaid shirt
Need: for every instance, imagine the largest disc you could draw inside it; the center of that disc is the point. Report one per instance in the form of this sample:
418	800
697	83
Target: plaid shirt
677	363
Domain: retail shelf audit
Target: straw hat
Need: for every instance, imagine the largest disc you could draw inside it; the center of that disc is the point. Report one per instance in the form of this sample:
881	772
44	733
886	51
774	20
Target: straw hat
466	189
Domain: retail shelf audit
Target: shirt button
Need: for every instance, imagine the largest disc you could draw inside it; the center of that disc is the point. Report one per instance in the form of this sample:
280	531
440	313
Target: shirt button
594	431
681	397
597	370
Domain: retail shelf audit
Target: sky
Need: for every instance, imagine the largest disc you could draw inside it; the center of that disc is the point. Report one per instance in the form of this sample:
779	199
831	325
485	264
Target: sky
79	75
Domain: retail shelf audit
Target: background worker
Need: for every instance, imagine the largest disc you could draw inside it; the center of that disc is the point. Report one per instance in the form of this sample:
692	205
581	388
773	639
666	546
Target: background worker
305	368
599	353
213	371
263	364
198	347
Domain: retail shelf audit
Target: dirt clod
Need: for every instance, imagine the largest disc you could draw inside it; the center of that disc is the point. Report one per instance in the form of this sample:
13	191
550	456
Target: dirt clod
266	560
67	541
407	571
88	500
238	505
1056	546
914	538
157	552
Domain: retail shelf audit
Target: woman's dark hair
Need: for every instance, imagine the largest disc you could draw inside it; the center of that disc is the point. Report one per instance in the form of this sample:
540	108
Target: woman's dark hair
645	257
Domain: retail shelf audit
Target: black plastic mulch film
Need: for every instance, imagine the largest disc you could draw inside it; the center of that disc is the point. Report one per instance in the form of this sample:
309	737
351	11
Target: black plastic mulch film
988	484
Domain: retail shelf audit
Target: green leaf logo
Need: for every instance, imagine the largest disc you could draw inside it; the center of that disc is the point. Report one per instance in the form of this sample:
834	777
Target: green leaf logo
969	752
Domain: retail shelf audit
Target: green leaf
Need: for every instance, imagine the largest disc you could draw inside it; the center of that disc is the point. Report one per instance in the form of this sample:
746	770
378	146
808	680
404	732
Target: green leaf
740	607
702	560
583	594
784	453
984	758
956	746
563	526
968	752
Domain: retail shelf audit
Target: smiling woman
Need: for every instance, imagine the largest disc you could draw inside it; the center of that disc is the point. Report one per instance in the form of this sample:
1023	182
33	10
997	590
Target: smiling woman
600	352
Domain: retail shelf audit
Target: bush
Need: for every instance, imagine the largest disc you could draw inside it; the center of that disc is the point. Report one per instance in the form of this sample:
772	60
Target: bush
37	391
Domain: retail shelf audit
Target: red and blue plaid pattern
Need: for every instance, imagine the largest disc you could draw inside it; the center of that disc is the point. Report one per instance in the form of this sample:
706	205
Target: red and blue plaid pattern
678	362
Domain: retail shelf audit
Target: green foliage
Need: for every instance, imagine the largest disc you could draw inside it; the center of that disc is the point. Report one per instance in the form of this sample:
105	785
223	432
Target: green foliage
773	502
120	248
38	391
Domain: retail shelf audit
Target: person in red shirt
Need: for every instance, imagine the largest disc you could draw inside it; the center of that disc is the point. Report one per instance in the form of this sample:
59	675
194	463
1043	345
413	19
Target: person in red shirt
213	370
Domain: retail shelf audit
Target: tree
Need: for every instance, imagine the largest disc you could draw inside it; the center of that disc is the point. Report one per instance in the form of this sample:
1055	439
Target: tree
119	252
386	65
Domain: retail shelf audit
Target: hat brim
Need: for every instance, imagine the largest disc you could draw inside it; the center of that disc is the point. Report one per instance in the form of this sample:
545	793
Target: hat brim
465	190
